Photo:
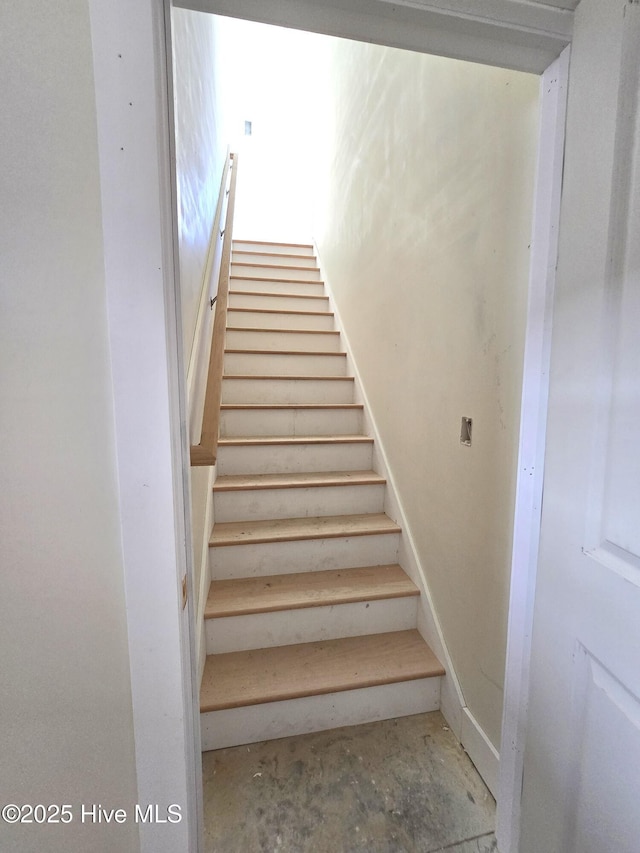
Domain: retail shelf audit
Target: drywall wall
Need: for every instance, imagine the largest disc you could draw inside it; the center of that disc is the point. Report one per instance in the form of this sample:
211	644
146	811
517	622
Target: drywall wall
66	732
201	146
202	137
423	223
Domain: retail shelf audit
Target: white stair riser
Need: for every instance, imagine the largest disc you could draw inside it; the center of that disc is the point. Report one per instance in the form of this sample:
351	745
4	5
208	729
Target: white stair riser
294	458
306	625
271	720
279	320
275	364
259	283
276	340
278	301
276	391
313	555
239	422
243	256
276	273
256	504
272	248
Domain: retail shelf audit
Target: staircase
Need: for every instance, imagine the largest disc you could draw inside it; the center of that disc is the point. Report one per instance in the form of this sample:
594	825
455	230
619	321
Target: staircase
310	622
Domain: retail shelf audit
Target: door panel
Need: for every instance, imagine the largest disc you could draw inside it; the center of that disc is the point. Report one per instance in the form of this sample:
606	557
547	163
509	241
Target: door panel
602	813
582	758
621	496
615	492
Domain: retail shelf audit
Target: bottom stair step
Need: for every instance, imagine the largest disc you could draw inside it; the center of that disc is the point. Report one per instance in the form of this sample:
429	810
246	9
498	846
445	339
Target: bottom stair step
256	723
238	679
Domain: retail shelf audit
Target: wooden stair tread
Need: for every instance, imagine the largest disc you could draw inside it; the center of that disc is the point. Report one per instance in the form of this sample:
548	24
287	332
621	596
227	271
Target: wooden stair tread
282	331
296	529
283	352
271	278
242	596
292	311
269	254
277	295
278	406
237	482
272	243
237	679
272	266
243	440
288	376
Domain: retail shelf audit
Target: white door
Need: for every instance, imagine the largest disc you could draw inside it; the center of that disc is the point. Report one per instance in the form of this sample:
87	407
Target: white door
581	790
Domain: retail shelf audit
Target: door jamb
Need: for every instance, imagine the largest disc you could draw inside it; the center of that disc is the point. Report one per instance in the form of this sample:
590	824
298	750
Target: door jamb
531	450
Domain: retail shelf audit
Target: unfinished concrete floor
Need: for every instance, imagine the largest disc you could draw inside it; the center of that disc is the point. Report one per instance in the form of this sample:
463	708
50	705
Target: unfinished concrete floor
398	786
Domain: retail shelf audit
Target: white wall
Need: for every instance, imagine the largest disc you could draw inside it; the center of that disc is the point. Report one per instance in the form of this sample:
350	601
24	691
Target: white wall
423	226
66	731
201	143
227	71
203	134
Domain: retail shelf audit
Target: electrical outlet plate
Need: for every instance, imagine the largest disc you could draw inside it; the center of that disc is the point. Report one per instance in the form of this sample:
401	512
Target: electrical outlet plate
465	431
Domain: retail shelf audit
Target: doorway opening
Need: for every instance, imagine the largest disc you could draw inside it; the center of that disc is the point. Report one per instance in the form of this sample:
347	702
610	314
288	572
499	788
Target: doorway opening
139	248
459	205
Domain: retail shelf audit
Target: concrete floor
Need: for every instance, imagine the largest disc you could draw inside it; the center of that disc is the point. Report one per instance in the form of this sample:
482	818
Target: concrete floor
398	786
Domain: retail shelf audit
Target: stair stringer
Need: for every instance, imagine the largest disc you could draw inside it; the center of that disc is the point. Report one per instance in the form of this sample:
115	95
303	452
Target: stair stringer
452	703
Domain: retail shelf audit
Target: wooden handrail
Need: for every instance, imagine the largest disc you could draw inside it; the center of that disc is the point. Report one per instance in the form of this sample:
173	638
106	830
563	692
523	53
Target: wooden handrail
206	452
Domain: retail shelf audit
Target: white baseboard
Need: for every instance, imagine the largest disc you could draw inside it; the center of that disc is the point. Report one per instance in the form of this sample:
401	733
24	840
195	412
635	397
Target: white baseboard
480	750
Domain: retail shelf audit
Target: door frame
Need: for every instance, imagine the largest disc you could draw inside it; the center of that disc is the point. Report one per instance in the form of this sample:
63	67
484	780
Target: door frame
131	42
132	76
531	449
